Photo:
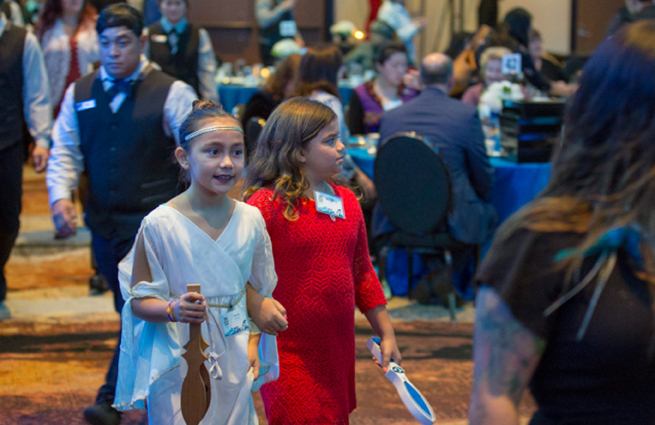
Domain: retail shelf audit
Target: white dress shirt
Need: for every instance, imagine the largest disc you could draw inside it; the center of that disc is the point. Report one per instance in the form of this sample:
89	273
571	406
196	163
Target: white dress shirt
66	160
206	60
397	17
268	12
36	90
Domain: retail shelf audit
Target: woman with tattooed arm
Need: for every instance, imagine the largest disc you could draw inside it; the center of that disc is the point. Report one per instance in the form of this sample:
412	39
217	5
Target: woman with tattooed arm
565	304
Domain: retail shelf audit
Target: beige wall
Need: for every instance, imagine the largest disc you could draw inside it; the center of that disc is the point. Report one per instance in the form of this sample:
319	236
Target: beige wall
551	17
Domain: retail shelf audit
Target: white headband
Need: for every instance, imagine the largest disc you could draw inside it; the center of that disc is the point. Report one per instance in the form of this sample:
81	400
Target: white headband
210	129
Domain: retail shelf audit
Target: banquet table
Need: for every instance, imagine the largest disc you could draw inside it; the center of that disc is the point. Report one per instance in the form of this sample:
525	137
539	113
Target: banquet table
514	186
232	95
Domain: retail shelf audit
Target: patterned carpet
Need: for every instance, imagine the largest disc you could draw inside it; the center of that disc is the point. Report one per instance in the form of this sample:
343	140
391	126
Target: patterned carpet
49	373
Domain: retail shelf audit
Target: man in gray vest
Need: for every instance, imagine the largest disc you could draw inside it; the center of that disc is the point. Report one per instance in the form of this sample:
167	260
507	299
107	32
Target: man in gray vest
120	124
24	98
183	50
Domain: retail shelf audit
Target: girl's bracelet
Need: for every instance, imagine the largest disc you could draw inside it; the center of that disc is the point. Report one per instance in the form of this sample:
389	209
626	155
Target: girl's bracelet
169	312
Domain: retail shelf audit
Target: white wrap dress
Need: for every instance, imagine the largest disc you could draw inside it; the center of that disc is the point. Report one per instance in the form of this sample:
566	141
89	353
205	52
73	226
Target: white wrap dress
180	253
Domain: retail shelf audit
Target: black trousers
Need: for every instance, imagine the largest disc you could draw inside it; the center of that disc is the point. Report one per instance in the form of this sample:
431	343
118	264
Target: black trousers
11	190
108	253
265	54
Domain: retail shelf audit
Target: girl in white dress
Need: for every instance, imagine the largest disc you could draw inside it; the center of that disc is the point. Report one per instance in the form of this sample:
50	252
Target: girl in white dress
200	236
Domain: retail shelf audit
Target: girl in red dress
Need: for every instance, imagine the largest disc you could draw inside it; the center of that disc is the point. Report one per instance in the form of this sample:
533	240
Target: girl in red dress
322	263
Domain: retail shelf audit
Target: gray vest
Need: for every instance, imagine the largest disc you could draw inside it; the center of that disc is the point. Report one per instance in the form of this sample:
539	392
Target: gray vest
183	65
127	155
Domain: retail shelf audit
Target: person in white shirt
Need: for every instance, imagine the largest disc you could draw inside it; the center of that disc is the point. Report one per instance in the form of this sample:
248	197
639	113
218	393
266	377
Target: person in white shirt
183	50
25	100
68	37
276	22
393	12
120	124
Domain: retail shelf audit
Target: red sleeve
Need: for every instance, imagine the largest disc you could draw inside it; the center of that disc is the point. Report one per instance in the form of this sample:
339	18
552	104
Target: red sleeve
262	201
368	290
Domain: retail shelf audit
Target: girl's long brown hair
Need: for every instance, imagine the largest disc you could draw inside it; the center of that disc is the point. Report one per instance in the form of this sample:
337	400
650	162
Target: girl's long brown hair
53	10
276	162
603	175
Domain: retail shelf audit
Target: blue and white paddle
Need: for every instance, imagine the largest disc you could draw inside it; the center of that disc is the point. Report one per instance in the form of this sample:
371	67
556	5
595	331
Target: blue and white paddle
414	401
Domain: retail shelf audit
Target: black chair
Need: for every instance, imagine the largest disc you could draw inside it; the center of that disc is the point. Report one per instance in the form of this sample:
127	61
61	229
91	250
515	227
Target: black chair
414	191
254	126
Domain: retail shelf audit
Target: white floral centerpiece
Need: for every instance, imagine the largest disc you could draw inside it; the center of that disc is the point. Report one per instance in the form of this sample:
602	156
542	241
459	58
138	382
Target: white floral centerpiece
489	109
492	98
284	48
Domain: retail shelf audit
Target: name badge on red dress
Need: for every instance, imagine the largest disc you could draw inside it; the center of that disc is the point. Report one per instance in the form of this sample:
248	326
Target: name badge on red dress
330	205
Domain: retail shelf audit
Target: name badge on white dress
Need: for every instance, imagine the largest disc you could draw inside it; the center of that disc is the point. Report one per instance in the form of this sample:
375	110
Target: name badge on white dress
159	38
330	205
235	321
288	28
87	104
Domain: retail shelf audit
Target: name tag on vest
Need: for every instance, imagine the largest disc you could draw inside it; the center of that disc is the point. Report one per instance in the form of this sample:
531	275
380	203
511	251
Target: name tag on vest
83	106
159	38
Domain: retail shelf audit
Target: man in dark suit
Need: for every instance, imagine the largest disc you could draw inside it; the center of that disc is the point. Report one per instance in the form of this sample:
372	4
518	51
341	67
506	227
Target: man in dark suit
454	128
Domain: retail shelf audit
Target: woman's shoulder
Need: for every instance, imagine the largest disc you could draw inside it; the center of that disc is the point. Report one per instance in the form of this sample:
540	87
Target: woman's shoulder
525	259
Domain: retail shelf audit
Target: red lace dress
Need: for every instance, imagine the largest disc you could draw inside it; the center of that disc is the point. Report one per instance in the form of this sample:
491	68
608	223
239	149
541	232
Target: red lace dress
323	270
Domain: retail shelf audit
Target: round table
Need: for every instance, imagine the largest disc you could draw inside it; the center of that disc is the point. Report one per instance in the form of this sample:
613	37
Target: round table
515	184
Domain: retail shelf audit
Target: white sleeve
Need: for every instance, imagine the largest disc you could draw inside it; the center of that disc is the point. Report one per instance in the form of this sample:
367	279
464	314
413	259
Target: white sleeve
178	106
36	93
399	20
16	14
66	161
267	13
207	68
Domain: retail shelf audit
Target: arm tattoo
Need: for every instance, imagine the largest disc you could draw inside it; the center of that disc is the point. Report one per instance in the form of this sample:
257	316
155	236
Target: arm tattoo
506	353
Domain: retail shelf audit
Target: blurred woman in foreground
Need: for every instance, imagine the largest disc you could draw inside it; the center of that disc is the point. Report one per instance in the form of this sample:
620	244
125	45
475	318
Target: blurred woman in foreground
566	297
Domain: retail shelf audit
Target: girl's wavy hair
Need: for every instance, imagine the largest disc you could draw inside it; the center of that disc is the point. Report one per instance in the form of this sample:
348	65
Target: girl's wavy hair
603	174
276	162
201	112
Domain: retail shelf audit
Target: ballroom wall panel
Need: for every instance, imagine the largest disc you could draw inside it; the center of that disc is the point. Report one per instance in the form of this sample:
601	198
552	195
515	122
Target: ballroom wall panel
232	25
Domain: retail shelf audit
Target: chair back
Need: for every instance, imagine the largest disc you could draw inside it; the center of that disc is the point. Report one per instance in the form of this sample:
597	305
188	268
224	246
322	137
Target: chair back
254	126
413	184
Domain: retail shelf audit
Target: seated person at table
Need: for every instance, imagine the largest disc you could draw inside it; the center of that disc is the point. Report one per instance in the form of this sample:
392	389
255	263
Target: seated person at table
545	64
383	93
490	72
277	88
183	50
454	128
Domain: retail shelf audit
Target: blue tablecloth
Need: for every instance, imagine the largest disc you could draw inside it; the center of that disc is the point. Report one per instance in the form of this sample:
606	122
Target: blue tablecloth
232	95
515	185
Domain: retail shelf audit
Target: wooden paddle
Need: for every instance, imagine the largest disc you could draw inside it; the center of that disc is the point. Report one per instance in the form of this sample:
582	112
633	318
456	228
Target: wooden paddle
196	388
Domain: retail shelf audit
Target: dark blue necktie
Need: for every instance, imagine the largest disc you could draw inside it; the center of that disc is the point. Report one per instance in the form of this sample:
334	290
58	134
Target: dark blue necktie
120	86
173	39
